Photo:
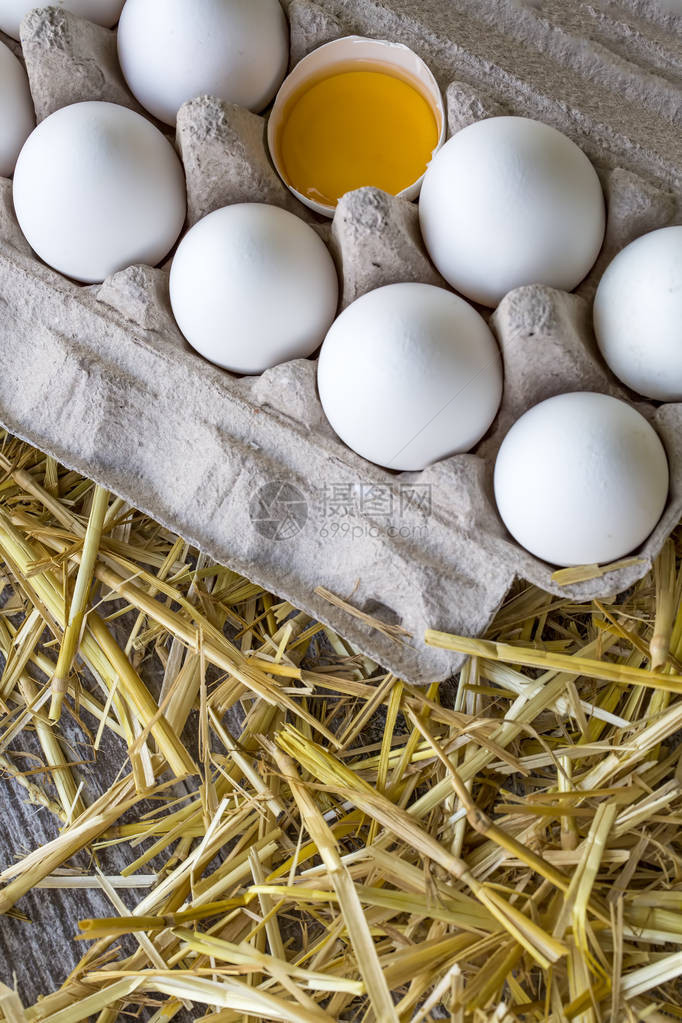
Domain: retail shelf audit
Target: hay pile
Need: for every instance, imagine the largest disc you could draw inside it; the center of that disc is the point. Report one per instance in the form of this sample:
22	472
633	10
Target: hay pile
324	841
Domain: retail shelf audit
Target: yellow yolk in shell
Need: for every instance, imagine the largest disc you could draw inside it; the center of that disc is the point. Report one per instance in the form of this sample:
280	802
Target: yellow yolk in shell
356	128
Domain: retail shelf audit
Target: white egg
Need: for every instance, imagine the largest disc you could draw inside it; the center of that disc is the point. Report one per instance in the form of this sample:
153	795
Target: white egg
17	116
173	50
410	374
581	479
252	286
510	201
98	188
103	12
638	315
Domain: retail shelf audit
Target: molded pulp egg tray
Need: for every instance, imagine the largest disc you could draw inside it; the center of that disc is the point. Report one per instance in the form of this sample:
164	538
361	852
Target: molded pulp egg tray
248	468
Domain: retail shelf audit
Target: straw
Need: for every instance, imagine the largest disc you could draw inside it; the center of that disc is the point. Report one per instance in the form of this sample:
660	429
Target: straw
306	837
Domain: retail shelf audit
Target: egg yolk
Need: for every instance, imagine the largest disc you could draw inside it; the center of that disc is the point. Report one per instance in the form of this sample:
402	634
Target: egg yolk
357	128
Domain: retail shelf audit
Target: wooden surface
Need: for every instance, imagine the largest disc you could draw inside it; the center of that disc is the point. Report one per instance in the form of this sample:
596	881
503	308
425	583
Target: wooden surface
41	953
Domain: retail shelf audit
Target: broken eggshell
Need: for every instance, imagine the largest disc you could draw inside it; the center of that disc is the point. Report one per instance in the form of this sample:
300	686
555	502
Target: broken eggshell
364	54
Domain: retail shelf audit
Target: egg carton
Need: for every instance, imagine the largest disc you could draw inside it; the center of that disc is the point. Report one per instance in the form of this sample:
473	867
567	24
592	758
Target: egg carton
248	468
